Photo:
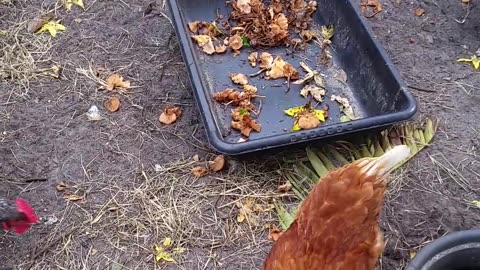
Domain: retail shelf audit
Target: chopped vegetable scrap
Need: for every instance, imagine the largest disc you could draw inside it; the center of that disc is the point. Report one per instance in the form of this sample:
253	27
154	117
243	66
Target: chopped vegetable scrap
306	117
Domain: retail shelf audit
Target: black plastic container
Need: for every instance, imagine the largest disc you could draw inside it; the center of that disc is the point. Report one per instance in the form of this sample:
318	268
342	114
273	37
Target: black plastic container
373	86
455	251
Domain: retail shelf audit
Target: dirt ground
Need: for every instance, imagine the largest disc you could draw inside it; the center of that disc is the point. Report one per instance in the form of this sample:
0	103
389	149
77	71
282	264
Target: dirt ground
134	173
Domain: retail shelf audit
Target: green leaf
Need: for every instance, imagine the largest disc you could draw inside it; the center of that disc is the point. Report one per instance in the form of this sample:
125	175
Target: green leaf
245	41
316	162
284	216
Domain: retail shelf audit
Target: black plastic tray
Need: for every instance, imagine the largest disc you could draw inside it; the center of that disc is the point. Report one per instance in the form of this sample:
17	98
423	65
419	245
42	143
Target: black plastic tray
373	87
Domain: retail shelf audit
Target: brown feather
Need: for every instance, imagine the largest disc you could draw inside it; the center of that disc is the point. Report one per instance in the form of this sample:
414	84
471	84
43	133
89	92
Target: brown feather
336	227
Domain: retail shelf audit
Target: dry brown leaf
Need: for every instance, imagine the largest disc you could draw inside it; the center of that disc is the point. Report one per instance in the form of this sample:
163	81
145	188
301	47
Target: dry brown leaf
218	163
266	60
73	197
220	48
195	26
307	35
274	233
115	80
285	187
209	48
246	124
244	6
308	120
316	92
199	171
250	89
61	186
239	78
170	115
112	104
235	42
205	42
344	106
252	59
282	69
374	4
419	12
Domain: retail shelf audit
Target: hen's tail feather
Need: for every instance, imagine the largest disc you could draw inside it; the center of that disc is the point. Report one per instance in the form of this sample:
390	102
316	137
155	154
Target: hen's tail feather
382	166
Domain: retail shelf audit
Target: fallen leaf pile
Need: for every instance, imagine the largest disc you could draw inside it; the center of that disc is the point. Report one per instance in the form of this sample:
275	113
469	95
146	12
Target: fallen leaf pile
214	165
242	100
253	23
306	117
170	115
249	210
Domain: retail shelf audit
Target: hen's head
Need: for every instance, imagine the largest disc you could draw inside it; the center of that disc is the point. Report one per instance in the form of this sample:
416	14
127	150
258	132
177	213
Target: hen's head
24	218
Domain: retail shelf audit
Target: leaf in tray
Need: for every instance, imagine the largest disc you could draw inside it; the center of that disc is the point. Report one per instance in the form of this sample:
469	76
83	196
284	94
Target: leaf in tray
306	117
195	26
316	92
252	59
244	6
250	89
235	42
239	78
205	42
311	74
327	32
282	69
279	27
344	119
474	60
245	42
307	35
243	122
266	60
344	106
220	48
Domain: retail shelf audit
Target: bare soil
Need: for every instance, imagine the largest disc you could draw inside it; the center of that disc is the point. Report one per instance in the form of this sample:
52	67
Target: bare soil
134	173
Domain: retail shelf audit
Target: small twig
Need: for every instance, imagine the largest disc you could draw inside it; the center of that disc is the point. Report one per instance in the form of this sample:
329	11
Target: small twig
27	180
258	73
421	89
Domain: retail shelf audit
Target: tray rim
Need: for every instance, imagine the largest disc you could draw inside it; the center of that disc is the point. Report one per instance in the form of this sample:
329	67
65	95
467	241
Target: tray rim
322	132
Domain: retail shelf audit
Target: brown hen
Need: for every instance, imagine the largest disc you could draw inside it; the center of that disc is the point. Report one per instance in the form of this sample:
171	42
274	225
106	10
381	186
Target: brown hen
336	227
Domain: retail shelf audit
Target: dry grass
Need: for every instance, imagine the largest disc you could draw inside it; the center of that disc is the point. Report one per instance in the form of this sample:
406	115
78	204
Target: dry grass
198	214
23	55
